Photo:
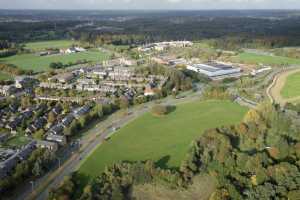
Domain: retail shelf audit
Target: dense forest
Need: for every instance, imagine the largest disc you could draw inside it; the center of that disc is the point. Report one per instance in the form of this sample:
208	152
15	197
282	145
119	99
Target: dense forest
256	159
252	29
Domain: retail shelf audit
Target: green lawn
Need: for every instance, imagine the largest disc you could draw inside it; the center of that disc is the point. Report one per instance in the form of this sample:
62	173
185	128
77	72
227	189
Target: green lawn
265	59
55	44
5	76
165	139
41	63
292	86
17	141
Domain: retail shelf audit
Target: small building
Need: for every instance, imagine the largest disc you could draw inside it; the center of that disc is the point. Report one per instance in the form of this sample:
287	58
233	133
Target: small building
22	82
52	146
56	130
149	91
60	139
66	122
65	78
8	90
81	111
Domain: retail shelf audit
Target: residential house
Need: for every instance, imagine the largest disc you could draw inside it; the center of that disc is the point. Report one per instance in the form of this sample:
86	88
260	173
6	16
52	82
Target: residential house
52	146
60	139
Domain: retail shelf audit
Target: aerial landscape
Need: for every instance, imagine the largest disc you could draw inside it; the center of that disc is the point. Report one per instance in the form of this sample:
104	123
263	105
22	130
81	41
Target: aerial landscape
149	100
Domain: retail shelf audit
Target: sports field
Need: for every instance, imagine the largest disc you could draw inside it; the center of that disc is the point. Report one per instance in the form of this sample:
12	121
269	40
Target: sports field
253	58
165	140
54	44
291	87
41	63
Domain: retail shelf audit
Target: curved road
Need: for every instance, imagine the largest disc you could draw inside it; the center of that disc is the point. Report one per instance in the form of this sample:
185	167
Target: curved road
274	89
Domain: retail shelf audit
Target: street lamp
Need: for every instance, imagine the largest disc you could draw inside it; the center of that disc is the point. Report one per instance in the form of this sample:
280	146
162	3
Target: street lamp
32	185
58	162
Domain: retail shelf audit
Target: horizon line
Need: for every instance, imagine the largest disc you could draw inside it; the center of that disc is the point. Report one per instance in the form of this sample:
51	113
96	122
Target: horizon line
151	9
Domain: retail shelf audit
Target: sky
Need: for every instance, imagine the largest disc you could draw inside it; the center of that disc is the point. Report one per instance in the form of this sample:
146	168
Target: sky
149	4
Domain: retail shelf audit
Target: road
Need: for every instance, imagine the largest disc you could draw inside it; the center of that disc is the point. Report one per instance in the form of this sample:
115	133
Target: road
92	139
274	89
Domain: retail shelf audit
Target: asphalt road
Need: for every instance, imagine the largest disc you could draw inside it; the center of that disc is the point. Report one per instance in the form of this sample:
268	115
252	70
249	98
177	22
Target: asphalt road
91	140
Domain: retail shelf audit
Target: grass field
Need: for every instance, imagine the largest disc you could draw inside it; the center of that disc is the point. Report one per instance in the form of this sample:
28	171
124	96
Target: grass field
39	46
5	76
291	87
41	63
17	141
265	59
165	140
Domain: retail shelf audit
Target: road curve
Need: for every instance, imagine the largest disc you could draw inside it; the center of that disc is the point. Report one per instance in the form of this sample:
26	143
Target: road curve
274	89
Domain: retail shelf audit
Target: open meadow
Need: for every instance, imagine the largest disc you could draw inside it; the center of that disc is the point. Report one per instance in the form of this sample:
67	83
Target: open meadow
53	44
253	58
291	87
165	139
41	63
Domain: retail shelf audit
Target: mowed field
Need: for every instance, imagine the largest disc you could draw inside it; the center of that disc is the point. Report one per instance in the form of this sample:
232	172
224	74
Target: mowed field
41	63
165	140
253	58
291	87
55	44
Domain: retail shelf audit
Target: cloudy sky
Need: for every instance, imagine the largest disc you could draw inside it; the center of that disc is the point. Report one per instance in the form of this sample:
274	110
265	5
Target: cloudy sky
150	4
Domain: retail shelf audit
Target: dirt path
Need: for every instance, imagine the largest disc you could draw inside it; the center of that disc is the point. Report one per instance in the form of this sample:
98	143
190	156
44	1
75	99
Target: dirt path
273	91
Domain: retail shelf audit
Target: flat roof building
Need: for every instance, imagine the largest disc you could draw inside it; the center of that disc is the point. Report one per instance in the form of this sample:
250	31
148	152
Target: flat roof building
216	71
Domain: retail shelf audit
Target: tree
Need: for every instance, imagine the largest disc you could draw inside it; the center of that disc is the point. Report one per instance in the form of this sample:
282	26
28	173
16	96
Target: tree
159	110
37	169
51	117
123	103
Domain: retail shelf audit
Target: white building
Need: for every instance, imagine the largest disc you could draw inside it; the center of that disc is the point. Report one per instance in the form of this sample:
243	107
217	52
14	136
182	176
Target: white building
216	71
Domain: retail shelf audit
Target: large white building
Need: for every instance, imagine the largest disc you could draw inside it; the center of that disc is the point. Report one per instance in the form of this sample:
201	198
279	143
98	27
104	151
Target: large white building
216	71
160	46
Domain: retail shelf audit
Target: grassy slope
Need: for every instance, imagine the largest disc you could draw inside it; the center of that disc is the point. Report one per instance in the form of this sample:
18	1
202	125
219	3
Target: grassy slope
5	76
292	86
39	46
41	63
166	138
265	59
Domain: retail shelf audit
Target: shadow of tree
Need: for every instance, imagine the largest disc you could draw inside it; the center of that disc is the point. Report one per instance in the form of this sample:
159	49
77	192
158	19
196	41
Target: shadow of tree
170	109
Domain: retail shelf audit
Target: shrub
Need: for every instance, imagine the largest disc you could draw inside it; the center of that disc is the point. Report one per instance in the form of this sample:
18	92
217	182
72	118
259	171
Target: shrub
159	110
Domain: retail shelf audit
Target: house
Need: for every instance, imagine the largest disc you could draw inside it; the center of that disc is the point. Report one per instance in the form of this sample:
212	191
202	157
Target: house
22	82
81	111
8	90
149	91
39	123
65	78
79	49
66	122
57	110
30	130
56	130
52	146
60	139
25	152
10	158
12	126
261	70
